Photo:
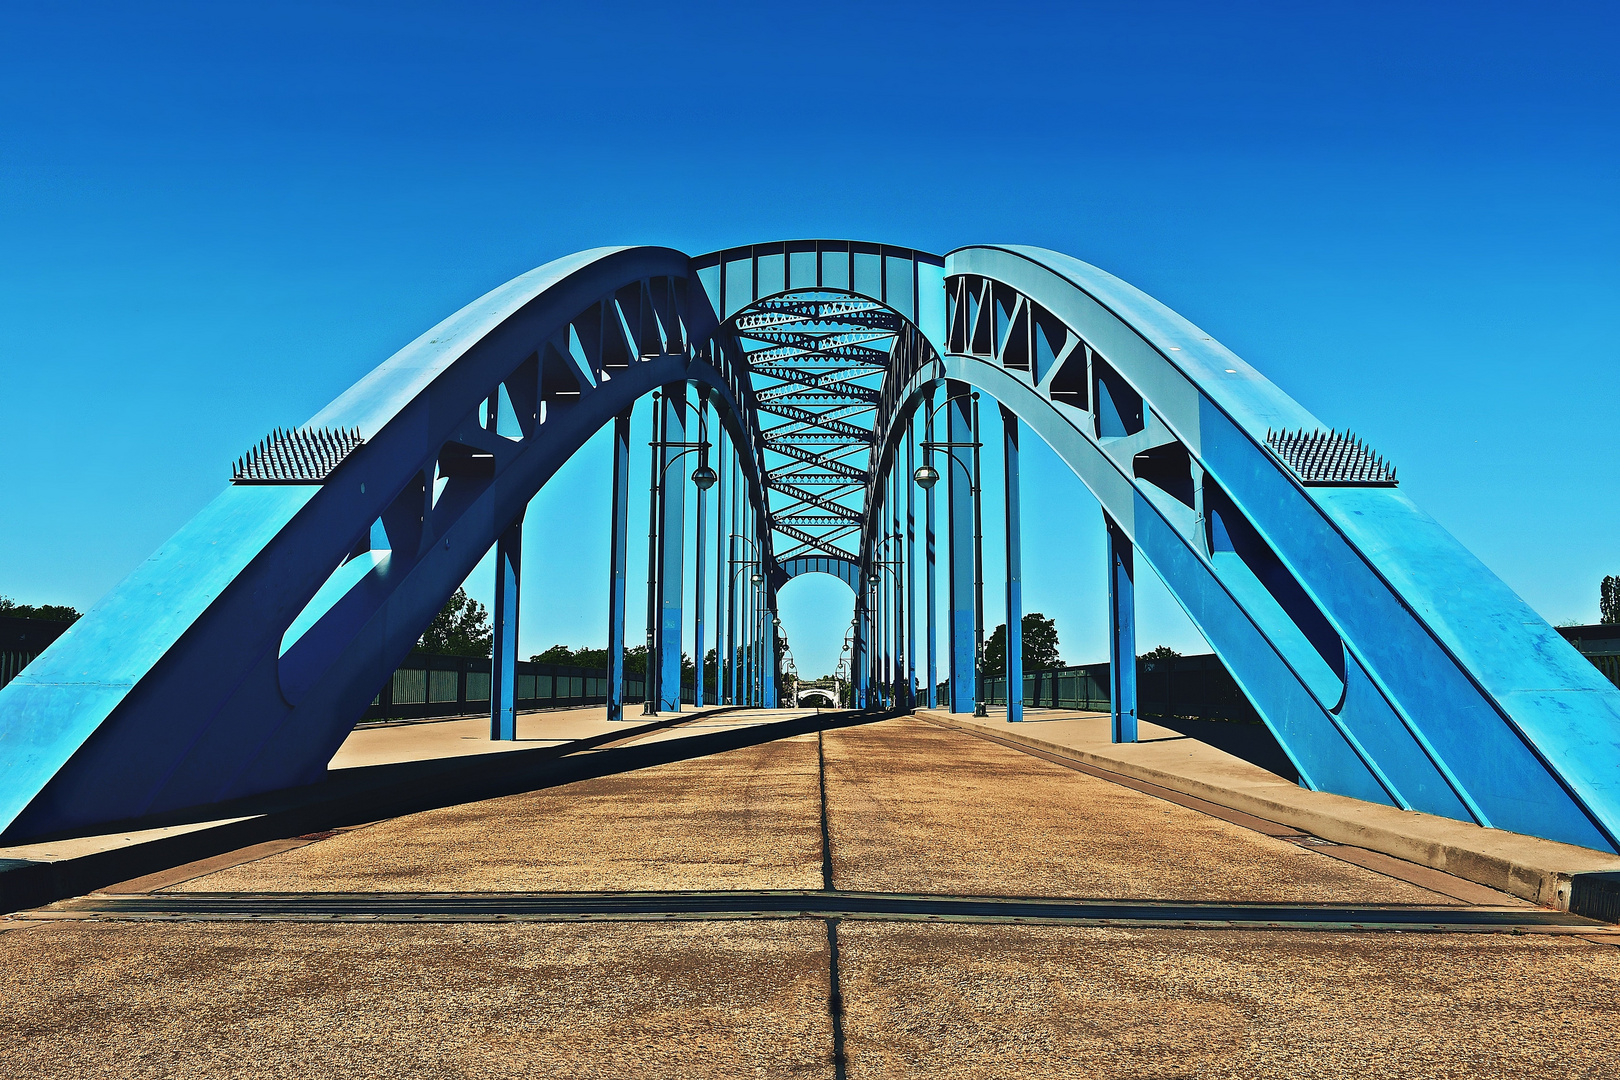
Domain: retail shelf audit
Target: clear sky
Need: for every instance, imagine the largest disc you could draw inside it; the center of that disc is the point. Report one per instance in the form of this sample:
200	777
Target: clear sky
215	217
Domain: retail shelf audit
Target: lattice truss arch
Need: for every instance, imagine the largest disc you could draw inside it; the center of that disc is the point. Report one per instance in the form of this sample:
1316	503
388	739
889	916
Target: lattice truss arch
826	330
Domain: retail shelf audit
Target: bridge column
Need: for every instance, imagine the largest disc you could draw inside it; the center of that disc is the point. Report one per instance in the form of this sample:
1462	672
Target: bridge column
900	697
617	558
729	662
672	548
699	560
857	650
504	650
1121	633
960	499
931	560
770	655
911	569
1015	569
721	570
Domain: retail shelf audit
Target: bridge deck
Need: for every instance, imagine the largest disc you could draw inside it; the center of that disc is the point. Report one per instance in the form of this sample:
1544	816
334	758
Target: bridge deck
693	918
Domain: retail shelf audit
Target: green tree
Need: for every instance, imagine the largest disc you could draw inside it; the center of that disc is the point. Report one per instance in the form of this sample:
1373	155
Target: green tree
461	629
635	658
1159	652
1040	646
1609	600
9	608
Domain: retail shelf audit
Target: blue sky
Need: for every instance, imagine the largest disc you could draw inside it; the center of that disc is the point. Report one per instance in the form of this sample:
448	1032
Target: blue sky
214	218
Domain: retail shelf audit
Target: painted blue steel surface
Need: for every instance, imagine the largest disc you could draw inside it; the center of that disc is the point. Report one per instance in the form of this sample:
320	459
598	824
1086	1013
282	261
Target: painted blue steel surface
1121	635
173	692
1013	514
504	648
845	570
618	561
672	547
956	463
1390	664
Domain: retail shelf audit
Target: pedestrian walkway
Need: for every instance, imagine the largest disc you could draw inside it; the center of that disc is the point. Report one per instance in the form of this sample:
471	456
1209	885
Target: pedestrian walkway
893	899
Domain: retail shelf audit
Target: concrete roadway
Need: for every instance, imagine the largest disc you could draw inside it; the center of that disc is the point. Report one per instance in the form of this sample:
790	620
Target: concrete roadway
909	807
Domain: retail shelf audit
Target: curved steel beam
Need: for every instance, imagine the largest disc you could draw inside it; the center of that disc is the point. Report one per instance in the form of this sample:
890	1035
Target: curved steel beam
845	570
1390	664
236	659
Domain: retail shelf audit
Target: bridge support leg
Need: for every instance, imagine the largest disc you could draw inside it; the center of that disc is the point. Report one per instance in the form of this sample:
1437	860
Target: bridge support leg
729	663
672	541
911	569
857	650
931	575
504	653
960	499
899	698
617	558
1015	569
1121	633
771	656
699	558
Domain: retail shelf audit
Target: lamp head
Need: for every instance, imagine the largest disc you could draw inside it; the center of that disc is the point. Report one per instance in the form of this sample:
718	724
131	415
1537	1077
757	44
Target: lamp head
926	476
703	478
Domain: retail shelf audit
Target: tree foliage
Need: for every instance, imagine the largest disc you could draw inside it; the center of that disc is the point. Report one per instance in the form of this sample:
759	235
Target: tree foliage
10	609
1040	646
461	629
1159	652
1609	600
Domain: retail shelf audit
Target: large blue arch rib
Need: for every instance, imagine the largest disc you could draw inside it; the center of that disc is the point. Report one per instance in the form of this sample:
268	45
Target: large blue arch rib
175	690
1390	664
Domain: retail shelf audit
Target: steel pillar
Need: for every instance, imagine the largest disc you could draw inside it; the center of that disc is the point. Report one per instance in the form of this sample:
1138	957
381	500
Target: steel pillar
504	649
1015	569
731	667
700	559
672	545
857	651
1121	633
959	500
772	660
722	571
897	696
931	561
911	569
617	558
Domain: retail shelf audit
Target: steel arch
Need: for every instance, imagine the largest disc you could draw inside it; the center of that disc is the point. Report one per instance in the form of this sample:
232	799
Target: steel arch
1390	664
179	689
1449	694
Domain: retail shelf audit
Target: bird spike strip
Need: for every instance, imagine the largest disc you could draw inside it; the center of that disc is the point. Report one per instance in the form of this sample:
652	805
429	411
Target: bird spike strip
1330	458
300	456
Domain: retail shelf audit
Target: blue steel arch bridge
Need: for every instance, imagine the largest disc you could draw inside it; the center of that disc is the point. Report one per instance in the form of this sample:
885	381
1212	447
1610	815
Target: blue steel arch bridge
829	396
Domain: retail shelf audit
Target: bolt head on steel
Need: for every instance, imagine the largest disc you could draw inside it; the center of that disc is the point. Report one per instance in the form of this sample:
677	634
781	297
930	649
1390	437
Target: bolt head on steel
926	476
703	478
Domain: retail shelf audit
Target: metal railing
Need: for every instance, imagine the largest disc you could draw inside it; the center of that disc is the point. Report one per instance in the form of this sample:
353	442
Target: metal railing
1195	687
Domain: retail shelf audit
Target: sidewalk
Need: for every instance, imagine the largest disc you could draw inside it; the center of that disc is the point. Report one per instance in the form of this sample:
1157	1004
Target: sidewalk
379	771
1541	871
